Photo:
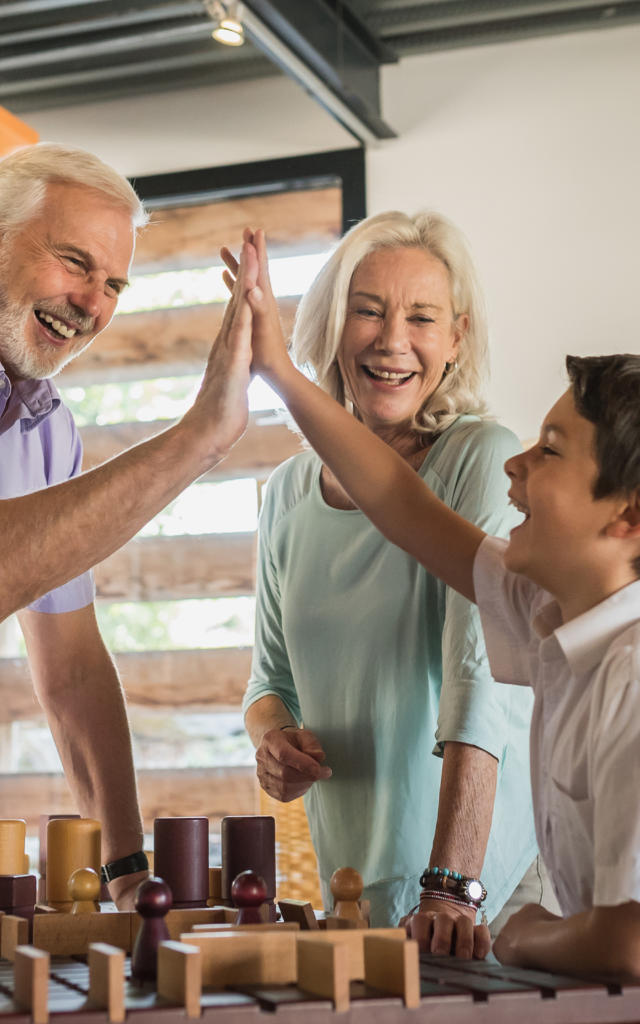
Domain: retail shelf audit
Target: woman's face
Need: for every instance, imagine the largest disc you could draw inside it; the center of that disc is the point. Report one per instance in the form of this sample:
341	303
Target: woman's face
398	335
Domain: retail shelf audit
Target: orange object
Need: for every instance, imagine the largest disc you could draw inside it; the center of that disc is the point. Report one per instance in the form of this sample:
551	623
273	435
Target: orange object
14	132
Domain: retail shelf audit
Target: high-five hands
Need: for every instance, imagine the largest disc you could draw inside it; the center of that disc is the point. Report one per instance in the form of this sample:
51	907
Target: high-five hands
269	347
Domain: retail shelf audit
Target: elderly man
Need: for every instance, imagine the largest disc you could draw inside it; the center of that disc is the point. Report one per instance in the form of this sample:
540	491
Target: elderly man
68	226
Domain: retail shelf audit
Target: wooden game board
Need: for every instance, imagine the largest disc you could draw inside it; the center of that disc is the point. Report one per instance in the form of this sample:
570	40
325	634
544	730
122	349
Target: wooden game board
452	992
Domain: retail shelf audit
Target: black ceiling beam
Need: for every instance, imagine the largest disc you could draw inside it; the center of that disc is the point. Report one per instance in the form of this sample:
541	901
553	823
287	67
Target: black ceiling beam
442	26
330	53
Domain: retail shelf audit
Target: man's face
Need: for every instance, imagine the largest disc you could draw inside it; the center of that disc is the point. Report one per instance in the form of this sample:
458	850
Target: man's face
60	277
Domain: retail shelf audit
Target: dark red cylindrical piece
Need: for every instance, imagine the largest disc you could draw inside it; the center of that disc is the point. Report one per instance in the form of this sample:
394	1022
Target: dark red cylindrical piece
181	858
248	844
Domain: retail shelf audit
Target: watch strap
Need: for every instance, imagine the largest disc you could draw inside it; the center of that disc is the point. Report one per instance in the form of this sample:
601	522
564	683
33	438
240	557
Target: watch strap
124	866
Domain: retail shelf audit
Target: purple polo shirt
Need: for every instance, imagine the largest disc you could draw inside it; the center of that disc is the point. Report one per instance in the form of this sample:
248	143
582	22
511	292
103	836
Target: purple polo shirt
40	446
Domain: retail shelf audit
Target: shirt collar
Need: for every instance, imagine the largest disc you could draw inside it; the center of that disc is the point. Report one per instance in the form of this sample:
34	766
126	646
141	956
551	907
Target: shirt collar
585	639
38	398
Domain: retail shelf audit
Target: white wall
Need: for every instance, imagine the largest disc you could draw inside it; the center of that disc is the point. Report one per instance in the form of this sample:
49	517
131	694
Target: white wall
532	147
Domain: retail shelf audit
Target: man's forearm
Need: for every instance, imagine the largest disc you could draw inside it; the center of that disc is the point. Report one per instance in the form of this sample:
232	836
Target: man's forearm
53	535
465	808
267	713
78	687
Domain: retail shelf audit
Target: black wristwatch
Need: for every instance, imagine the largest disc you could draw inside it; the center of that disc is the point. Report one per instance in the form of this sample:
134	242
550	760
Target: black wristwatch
124	866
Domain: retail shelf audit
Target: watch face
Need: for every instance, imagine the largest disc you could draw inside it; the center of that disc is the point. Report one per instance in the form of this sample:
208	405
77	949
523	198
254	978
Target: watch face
474	889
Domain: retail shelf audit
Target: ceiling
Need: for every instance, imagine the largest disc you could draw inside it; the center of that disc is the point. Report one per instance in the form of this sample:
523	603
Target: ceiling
59	52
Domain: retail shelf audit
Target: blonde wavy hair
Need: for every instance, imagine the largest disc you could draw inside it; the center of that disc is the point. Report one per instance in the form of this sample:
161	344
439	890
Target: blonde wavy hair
321	315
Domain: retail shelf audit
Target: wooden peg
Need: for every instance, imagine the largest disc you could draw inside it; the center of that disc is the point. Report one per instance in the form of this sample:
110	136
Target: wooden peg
14	932
323	970
180	975
106	979
31	982
392	965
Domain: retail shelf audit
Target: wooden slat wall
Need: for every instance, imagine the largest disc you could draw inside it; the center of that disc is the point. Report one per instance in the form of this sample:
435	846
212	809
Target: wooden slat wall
174	342
211	679
214	792
160	343
266	443
294	222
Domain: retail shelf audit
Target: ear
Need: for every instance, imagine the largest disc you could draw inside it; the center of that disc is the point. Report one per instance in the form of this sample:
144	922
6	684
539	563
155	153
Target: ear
626	524
460	328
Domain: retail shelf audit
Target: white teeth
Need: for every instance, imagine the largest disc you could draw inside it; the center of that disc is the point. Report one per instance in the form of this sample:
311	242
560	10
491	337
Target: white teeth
66	332
389	374
519	507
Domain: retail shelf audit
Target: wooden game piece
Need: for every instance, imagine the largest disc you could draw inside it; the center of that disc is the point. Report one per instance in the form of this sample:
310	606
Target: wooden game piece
84	890
13	833
352	941
391	965
181	858
346	889
323	970
180	975
246	957
31	982
14	932
18	895
249	844
153	901
106	980
71	934
71	843
248	893
42	851
300	911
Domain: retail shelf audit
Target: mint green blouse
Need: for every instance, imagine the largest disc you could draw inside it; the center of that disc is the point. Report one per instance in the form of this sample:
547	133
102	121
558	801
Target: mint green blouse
386	664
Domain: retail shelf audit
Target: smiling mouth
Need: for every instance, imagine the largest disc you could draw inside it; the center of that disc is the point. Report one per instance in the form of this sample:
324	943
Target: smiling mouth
394	377
520	507
56	327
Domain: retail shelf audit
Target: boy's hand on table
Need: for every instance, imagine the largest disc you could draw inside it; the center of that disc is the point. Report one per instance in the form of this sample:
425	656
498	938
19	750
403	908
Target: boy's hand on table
445	929
505	947
289	762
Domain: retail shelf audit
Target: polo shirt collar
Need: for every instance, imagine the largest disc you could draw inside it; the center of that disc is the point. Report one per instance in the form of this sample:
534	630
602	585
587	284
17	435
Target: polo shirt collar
585	639
38	398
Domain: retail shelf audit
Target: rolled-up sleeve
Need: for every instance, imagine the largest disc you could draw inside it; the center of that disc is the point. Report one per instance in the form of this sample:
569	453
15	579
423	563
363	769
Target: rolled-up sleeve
270	668
65	462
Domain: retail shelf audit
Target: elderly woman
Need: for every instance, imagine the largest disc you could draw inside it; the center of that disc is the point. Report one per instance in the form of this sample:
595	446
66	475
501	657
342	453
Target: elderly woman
370	690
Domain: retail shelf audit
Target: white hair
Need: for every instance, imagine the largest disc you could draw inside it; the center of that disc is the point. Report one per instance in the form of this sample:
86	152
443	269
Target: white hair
26	172
321	315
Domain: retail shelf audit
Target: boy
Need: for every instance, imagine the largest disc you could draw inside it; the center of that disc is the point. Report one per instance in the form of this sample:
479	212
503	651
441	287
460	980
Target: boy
560	605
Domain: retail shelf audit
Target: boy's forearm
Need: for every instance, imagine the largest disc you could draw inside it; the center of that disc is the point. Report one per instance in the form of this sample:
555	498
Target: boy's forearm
381	483
603	941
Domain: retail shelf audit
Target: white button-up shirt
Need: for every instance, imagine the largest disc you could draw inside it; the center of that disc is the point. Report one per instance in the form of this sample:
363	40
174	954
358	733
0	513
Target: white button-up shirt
585	730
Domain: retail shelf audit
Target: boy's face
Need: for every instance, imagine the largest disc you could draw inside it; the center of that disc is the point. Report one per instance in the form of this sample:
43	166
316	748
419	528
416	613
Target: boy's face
562	543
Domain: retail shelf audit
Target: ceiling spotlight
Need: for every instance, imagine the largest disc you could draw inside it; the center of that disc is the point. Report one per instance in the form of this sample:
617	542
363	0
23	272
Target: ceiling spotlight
227	18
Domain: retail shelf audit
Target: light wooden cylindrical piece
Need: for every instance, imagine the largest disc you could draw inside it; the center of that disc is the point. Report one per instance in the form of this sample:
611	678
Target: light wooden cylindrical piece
13	832
72	843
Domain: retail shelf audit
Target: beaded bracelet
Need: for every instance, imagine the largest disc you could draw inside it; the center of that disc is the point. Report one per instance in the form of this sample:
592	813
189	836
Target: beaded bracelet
447	880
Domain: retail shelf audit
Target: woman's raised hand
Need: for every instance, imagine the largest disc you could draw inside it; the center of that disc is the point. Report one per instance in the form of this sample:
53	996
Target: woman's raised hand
268	344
